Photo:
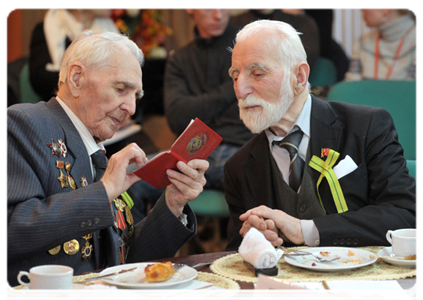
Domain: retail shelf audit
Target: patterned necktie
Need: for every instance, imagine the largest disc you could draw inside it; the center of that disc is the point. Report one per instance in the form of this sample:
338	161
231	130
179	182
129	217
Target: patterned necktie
99	160
291	143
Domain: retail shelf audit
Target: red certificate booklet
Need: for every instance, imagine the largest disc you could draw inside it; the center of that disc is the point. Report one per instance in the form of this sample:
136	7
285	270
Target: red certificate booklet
197	141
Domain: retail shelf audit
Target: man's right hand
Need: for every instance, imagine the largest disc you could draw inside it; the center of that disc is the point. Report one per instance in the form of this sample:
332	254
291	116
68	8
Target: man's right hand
271	222
115	179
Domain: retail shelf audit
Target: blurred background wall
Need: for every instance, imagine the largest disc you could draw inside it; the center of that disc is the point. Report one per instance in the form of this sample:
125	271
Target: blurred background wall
346	28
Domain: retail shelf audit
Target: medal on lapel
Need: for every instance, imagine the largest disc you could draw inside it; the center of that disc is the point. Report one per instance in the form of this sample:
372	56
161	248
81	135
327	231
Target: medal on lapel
70	179
62	178
87	250
71	247
55	250
55	149
84	181
62	148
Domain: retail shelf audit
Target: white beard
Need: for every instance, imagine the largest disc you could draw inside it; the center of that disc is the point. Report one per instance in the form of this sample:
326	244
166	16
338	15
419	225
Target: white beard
259	120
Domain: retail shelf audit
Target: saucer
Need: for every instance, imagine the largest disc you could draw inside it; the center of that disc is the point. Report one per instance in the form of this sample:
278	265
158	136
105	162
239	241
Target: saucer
397	262
25	293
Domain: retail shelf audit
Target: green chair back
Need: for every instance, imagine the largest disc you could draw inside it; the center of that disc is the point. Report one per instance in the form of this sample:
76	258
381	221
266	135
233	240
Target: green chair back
27	93
210	203
411	165
323	73
397	97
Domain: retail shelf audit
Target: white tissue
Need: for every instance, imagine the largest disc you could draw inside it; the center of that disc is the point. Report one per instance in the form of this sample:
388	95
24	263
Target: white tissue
258	251
104	292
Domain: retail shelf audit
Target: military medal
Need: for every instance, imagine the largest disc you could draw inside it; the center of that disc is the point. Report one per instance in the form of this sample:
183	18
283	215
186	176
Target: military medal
120	204
55	250
324	152
63	180
84	181
55	149
129	217
87	250
70	179
62	147
71	247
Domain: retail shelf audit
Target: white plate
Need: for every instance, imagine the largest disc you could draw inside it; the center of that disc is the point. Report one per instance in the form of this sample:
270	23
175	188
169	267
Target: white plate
133	280
344	263
398	262
26	294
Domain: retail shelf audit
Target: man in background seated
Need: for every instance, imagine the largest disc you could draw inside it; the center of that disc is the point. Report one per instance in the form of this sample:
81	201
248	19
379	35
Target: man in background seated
317	173
310	35
197	84
66	204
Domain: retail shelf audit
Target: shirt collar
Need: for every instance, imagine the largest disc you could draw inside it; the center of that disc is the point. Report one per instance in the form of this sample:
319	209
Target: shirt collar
86	136
302	122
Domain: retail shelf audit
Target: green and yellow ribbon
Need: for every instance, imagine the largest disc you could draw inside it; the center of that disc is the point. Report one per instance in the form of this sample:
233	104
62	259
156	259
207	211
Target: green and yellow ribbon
325	168
127	199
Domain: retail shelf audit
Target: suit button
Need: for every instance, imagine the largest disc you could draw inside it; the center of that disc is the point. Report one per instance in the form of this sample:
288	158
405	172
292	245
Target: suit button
96	221
89	222
348	241
341	241
335	242
355	241
303	208
82	224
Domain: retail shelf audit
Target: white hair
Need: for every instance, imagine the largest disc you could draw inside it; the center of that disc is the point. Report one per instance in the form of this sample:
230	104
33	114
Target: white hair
290	48
94	50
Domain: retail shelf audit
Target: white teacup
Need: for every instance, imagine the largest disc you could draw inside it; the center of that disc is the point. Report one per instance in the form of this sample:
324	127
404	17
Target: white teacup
48	277
403	241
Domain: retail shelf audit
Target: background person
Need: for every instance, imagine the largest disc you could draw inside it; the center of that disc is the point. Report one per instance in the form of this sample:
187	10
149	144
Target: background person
388	51
197	84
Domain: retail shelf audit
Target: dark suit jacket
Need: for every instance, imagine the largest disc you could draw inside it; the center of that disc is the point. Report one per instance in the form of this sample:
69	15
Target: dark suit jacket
42	215
380	193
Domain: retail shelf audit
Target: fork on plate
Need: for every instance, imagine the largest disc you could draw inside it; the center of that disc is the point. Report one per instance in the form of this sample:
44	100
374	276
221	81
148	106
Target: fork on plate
318	258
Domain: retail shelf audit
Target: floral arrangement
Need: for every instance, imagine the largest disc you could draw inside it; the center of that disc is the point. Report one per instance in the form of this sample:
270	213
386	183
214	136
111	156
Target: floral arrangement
145	27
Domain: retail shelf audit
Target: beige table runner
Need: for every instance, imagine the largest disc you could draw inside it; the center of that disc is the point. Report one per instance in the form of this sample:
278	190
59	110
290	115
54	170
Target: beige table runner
234	267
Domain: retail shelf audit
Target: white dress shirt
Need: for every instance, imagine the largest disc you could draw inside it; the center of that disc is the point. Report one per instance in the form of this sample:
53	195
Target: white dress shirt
86	136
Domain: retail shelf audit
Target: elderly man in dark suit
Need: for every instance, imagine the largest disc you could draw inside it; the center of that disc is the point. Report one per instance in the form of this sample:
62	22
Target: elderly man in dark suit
64	205
317	173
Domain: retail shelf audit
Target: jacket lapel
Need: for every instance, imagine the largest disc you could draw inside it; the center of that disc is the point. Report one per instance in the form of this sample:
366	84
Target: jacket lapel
257	170
73	141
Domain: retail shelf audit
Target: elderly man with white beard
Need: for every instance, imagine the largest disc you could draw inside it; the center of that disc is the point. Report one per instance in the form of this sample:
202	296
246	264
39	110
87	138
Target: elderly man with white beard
316	173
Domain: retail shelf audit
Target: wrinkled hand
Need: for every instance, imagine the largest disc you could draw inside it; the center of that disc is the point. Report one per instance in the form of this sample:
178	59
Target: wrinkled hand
115	179
185	185
271	222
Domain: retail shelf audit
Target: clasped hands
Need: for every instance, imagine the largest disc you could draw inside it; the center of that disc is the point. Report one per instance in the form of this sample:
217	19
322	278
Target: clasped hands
185	185
276	225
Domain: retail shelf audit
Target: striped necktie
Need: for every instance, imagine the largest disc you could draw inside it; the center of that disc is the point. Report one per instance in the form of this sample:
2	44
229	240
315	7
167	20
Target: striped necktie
296	167
99	160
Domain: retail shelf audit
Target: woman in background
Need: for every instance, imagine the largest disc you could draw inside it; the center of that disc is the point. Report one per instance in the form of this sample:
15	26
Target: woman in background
50	39
388	51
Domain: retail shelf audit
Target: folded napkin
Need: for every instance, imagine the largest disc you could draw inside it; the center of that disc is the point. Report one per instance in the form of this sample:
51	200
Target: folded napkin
105	292
258	251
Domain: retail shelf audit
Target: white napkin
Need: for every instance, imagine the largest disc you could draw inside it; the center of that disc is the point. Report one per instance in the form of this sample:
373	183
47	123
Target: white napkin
258	251
105	292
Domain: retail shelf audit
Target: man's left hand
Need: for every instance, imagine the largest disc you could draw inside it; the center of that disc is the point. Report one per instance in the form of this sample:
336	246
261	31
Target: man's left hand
185	185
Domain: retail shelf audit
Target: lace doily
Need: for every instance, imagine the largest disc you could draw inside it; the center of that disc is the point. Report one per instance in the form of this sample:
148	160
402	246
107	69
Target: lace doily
234	267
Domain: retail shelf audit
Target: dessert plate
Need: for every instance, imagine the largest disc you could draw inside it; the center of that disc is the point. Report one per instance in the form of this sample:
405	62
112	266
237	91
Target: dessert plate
136	279
349	258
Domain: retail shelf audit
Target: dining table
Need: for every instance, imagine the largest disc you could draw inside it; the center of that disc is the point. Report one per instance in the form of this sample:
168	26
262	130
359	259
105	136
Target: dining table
192	260
228	270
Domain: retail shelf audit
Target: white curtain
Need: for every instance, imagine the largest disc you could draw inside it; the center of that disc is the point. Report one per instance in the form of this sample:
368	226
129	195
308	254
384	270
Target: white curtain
348	27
